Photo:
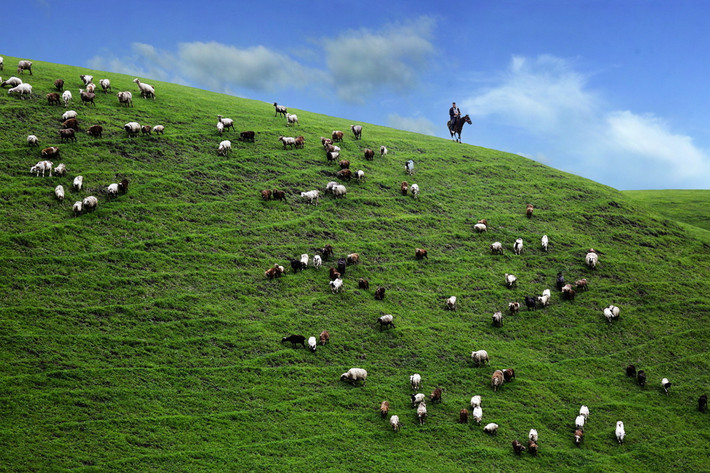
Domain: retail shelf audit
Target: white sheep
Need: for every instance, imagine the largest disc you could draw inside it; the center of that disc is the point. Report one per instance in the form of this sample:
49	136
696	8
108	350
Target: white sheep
354	375
666	385
288	141
409	167
42	166
579	422
225	147
532	435
159	129
416	381
491	428
592	259
498	319
12	82
280	110
518	246
112	190
544	300
60	170
132	128
451	303
291	119
415	190
480	227
383	151
2	63
544	241
32	140
360	175
91	88
66	97
329	187
480	357
510	280
78	183
421	412
336	285
21	90
304	260
339	190
478	414
147	90
394	422
86	79
69	114
90	203
77	208
475	401
620	432
311	196
24	65
59	192
220	128
418	398
312	343
497	248
105	85
317	261
584	411
226	122
125	98
611	313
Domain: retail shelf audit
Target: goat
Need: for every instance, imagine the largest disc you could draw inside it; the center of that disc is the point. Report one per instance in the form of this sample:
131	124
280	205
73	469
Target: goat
363	284
337	136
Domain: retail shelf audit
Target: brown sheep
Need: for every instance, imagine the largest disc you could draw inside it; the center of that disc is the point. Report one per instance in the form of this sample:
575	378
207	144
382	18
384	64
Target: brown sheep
95	130
581	284
247	136
344	164
59	84
71	123
379	293
324	337
67	134
50	153
436	395
532	447
325	141
508	374
333	274
518	447
266	194
529	210
404	187
497	380
271	273
567	292
369	154
353	258
327	251
420	253
344	174
53	98
146	129
578	435
279	195
337	136
463	416
384	408
300	142
363	284
87	97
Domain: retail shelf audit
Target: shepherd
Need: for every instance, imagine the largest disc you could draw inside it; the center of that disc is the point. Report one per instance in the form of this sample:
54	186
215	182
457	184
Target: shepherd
456	122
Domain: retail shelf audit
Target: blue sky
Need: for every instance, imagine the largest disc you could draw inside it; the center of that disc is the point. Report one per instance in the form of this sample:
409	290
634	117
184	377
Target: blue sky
615	91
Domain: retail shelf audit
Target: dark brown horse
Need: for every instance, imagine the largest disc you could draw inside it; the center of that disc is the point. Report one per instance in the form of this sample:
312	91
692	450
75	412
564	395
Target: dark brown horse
459	126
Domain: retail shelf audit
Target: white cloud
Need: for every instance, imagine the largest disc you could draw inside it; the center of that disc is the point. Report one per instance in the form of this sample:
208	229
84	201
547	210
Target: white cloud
415	124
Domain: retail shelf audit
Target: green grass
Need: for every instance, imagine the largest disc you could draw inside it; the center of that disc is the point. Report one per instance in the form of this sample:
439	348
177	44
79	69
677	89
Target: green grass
145	337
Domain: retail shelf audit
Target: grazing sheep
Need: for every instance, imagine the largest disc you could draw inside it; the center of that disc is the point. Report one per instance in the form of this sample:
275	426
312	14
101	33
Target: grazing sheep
125	98
420	253
421	412
86	79
394	422
357	131
59	192
324	337
90	203
491	429
66	97
59	84
95	130
2	63
665	384
513	307
225	147
369	154
532	435
337	136
518	246
279	195
416	381
611	313
584	411
567	292
91	88
497	380
280	110
592	259
295	340
436	395
544	241
404	187
311	196
620	432
42	166
105	85
345	174
336	285
53	98
578	436
32	140
480	228
69	114
317	261
510	280
386	321
112	190
579	422
60	170
417	398
354	375
132	128
497	248
23	66
409	167
581	284
451	303
352	258
327	251
291	120
333	274
475	401
247	136
641	378
379	293
159	129
631	371
415	191
384	408
529	210
51	152
532	447
71	123
518	447
266	194
478	414
312	344
272	273
544	300
77	208
480	357
703	403
332	156
463	416
560	282
300	142
21	90
12	82
360	175
339	191
289	141
363	284
508	374
383	151
123	187
147	90
304	260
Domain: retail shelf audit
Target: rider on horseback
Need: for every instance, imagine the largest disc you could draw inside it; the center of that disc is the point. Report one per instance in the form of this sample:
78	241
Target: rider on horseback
454	115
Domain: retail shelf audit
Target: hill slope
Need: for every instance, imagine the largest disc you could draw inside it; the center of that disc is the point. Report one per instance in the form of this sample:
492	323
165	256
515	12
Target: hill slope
144	336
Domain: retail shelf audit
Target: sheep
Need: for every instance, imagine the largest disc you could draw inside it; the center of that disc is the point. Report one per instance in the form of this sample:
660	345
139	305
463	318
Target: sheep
383	151
112	190
508	374
332	156
451	303
360	175
620	432
641	378
478	414
480	228
581	284
592	259
333	274
496	248
409	167
384	408
146	89
224	148
518	246
611	313
91	88
513	307
32	140
420	253
339	191
666	385
475	401
324	337
417	398
567	292
159	129
544	241
436	395
288	141
578	436
60	170
584	411
291	120
295	340
146	129
421	412
77	208
21	90
560	281
463	416
386	321
344	164
497	380
300	142
105	85
66	98
12	82
510	280
311	196
532	447
132	128
354	375
416	381
2	63
304	260
491	429
272	273
337	136
703	403
42	166
59	84
345	174
579	422
86	79
125	98
518	447
312	344
415	191
50	152
266	194
280	110
379	293
247	136
336	285
352	258
317	261
529	210
532	435
480	357
394	422
23	66
357	131
90	203
404	187
71	123
327	251
369	154
363	284
544	300
53	98
95	130
631	371
59	192
69	114
123	187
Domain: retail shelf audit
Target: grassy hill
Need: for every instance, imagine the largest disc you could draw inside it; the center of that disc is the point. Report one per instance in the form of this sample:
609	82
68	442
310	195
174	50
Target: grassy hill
145	337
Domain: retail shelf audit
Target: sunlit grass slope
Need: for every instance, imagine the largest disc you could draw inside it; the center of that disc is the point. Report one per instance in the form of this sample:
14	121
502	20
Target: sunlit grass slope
145	337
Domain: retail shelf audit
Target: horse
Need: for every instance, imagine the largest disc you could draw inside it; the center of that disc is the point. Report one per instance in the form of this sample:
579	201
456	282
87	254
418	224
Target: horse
459	126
